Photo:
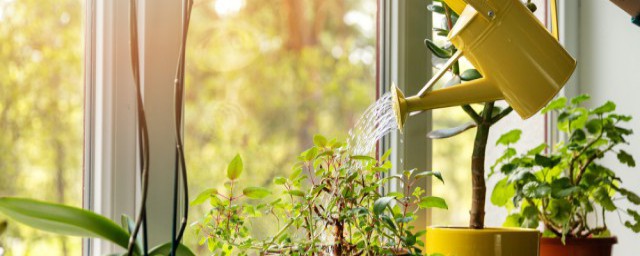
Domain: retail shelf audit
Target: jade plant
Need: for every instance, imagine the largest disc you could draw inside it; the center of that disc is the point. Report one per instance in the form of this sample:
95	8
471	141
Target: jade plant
330	203
565	186
482	120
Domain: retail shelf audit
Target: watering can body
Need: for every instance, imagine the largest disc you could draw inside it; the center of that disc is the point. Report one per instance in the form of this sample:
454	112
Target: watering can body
519	59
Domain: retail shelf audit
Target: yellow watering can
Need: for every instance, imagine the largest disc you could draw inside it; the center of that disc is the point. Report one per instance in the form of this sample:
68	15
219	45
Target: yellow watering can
518	58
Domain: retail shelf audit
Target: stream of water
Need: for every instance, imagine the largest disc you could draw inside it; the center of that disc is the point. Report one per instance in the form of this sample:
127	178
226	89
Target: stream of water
377	121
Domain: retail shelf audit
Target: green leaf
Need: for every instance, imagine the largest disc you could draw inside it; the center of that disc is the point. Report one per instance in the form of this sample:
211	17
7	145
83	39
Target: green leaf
319	140
279	180
626	158
385	156
235	168
530	217
381	203
165	249
601	195
562	187
580	98
296	192
546	161
538	149
202	197
62	219
636	218
256	192
435	8
438	175
578	135
605	108
450	132
129	224
502	192
510	137
432	202
436	50
632	197
559	210
594	126
513	220
555	105
470	74
535	189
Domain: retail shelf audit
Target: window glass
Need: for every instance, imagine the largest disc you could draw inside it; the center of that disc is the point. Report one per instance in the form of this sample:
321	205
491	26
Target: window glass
265	76
41	112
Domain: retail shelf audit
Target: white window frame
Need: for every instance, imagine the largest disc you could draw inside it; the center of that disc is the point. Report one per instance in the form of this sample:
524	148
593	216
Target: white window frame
110	163
404	60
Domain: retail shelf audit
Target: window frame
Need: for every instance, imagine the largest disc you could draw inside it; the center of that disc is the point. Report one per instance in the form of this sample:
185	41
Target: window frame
110	162
405	61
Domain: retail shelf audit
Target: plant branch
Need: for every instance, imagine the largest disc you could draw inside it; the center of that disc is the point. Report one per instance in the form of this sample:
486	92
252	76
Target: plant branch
472	113
502	114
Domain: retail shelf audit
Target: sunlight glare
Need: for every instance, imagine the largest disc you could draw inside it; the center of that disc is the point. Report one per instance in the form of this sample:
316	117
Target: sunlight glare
228	7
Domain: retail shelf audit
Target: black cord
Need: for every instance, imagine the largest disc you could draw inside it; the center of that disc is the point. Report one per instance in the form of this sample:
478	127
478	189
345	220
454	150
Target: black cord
143	135
178	107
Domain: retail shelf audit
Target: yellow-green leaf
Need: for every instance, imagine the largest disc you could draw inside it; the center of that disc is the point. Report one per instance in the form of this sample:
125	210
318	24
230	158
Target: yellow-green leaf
256	192
235	168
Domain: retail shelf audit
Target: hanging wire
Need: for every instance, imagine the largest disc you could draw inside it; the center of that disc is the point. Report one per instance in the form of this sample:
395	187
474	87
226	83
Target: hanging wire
143	134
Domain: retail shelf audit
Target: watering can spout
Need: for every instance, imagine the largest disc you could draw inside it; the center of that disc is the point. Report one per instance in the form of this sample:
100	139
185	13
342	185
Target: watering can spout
475	91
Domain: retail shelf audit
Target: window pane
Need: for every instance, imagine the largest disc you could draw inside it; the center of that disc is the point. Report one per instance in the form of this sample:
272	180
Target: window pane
264	77
41	103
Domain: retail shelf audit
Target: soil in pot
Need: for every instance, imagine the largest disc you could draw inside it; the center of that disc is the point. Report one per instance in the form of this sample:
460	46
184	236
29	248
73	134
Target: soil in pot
577	246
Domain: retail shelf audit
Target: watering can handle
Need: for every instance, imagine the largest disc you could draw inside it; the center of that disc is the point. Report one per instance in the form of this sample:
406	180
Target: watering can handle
554	20
484	8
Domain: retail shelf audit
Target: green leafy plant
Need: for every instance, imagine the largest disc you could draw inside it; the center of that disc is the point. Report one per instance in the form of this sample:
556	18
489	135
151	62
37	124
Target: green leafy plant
331	202
566	186
72	221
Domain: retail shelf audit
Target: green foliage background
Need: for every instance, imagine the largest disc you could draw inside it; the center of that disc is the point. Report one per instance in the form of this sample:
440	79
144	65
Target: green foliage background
41	98
261	82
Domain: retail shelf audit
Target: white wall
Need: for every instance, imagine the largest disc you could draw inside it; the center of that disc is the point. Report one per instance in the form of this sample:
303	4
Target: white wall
609	69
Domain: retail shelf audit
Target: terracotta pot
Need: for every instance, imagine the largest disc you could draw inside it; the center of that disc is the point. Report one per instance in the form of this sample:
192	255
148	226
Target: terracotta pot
577	246
462	241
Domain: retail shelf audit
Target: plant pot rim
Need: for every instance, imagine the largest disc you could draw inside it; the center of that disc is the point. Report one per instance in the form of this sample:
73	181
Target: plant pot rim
579	241
485	230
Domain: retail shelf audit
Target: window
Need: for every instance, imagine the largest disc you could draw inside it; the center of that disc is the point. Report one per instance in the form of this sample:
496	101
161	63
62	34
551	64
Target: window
41	114
263	78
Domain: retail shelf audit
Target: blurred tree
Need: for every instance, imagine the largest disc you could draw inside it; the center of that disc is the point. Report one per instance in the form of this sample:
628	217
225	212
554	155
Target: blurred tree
265	76
41	99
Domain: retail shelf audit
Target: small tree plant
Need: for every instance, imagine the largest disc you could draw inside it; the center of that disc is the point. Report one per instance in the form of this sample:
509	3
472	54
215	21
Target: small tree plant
482	120
566	186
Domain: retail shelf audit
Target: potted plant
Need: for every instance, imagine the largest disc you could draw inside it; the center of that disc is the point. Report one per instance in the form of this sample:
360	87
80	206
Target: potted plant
330	204
566	188
475	239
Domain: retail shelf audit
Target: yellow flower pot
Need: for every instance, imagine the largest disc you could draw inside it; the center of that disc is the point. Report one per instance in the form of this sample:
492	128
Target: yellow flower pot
462	241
